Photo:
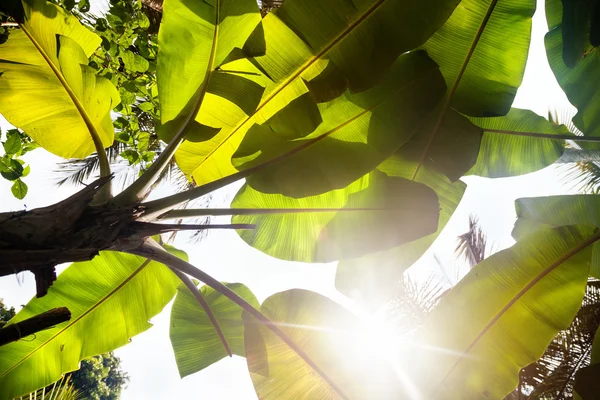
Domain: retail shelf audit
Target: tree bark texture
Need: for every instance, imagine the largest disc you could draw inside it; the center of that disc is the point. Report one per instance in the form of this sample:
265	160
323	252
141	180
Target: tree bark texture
69	231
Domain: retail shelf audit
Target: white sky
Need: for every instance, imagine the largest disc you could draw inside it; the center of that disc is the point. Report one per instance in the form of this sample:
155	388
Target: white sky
149	358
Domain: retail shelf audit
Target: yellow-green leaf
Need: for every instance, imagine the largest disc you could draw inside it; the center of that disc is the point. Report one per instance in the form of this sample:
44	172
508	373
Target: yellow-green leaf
48	90
111	299
195	341
502	316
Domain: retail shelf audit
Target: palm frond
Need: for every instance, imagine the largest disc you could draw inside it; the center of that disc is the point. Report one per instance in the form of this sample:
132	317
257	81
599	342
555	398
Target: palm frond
582	176
412	302
77	171
552	376
472	245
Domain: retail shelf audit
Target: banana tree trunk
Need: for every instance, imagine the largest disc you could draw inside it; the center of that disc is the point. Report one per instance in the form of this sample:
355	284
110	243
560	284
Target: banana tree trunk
69	231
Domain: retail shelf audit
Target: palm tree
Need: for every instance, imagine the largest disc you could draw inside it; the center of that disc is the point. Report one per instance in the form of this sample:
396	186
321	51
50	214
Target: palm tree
553	375
472	245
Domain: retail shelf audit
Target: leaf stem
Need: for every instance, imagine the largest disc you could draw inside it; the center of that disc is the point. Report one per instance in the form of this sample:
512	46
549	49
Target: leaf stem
576	138
153	251
201	212
161	206
198	295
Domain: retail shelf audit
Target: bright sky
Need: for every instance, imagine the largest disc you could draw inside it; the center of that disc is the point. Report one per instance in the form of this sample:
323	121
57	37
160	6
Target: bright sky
149	358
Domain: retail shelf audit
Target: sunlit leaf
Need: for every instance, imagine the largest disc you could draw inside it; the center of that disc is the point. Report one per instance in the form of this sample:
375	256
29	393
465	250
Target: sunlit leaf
503	153
358	131
377	212
195	341
482	50
111	299
372	279
317	48
502	316
331	336
539	213
19	189
575	63
48	89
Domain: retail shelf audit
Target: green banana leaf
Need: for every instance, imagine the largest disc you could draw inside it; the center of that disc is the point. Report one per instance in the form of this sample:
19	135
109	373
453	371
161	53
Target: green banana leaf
336	341
311	47
575	64
502	316
374	213
111	299
539	213
47	88
358	132
503	153
452	151
482	50
190	59
195	341
372	279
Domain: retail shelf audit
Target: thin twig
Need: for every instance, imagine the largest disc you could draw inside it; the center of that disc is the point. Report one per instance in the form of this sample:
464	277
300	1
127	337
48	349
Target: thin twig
153	251
198	295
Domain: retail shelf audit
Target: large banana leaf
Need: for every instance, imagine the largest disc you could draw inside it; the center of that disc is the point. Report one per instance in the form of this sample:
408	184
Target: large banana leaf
312	47
575	62
195	341
482	51
331	336
505	153
47	88
111	299
358	132
376	212
544	212
373	278
502	316
195	38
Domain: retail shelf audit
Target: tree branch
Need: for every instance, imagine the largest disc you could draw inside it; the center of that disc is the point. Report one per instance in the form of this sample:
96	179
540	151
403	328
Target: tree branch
154	251
19	330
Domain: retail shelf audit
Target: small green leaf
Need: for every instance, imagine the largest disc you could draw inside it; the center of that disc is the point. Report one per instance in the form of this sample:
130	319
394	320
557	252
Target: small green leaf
12	144
19	189
84	5
130	155
146	106
10	169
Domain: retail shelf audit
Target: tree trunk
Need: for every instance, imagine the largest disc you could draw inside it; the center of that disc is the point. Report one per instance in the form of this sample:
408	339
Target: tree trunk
69	231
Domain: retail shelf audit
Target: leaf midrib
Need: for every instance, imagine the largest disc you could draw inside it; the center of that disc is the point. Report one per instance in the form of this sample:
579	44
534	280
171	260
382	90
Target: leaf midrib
73	322
295	75
461	72
594	238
